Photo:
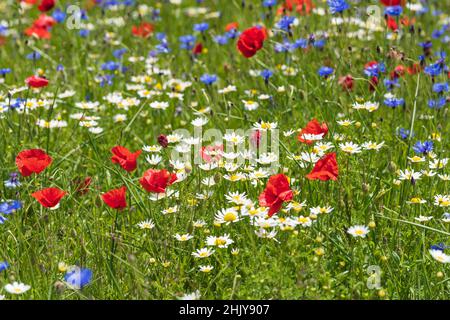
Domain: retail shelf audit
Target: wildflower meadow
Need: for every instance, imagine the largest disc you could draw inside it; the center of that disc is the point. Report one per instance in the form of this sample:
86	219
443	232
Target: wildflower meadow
224	149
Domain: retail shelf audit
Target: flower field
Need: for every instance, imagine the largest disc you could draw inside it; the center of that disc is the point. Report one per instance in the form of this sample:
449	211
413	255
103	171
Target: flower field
224	149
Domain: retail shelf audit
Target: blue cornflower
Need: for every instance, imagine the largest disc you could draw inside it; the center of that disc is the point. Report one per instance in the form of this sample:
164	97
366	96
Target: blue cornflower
436	34
337	6
3	265
393	10
434	69
233	33
394	102
34	56
84	33
110	66
438	103
119	53
285	23
221	39
162	48
266	74
161	36
283	47
105	80
5	71
373	70
3	30
13	181
208	79
156	14
59	67
404	133
440	87
325	71
17	104
390	84
320	43
439	246
426	44
201	27
300	43
269	3
10	206
78	278
59	15
425	147
187	42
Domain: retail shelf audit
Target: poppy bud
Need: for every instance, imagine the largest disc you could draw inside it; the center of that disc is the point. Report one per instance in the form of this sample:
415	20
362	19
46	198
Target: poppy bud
162	140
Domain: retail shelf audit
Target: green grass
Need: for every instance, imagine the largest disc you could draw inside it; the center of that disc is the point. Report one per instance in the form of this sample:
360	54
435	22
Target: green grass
152	264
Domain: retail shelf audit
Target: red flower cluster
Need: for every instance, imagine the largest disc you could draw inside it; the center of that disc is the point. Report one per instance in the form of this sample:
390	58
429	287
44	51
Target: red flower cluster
325	169
313	128
346	82
393	2
36	82
251	41
116	198
157	180
276	193
49	197
126	159
46	5
144	30
41	27
32	161
299	5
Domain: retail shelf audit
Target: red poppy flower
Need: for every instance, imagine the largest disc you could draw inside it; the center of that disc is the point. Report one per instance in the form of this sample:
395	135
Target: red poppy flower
144	30
299	5
399	71
414	69
392	24
46	5
44	21
407	21
126	159
393	2
277	191
211	153
32	161
115	198
251	41
36	82
313	131
197	49
38	32
325	169
346	82
231	26
49	197
157	180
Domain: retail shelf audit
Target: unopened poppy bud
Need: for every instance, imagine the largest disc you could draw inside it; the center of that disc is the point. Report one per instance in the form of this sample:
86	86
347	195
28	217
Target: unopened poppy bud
392	166
162	140
365	187
59	287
